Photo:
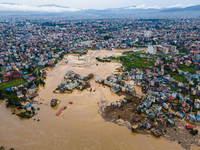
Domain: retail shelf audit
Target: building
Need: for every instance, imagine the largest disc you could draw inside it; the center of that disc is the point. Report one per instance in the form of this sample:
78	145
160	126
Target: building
12	75
31	90
148	34
159	49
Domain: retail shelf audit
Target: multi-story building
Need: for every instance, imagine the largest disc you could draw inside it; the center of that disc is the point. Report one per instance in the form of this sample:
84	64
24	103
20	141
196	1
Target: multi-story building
159	49
148	34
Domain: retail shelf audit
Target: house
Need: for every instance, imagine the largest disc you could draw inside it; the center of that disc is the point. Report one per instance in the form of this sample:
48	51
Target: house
191	118
188	77
198	116
160	121
135	117
197	103
31	90
147	126
170	122
12	75
151	116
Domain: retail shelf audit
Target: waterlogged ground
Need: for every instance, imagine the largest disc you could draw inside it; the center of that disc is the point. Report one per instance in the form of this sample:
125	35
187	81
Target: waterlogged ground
80	126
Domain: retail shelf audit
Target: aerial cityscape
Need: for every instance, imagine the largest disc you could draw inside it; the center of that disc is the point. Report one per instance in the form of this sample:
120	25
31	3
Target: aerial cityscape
100	75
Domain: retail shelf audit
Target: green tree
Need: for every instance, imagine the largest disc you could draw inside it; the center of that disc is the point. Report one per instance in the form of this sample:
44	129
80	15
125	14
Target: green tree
56	61
46	65
36	82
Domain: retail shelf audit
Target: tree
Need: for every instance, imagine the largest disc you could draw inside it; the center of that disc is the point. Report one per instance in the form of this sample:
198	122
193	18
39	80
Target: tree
194	132
62	55
25	108
46	65
36	82
32	108
29	84
2	148
40	80
56	61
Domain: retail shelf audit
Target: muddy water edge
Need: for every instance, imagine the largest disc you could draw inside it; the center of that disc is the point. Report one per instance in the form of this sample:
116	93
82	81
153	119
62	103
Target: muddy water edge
80	126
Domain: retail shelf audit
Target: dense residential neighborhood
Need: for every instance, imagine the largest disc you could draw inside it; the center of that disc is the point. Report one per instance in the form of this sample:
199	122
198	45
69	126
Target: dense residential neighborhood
160	56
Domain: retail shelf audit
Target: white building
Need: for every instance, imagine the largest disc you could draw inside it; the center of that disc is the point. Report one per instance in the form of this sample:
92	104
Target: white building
159	49
31	90
148	34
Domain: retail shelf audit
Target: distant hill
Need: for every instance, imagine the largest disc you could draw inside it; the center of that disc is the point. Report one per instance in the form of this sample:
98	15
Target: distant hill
52	5
190	8
122	12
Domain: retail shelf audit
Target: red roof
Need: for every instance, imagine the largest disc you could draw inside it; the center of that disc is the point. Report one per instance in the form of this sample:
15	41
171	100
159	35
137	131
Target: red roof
171	97
189	127
183	105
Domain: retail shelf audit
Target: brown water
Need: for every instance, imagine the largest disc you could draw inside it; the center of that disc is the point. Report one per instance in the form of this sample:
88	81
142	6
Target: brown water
80	126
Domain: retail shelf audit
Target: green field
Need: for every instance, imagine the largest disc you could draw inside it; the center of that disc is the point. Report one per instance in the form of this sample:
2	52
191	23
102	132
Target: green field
186	68
9	94
136	62
178	78
12	83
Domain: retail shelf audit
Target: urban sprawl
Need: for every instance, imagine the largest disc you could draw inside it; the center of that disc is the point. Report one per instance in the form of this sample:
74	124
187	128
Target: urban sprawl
162	56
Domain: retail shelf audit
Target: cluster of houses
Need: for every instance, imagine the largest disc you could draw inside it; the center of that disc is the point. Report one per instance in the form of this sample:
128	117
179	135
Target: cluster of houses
22	92
165	96
117	84
72	81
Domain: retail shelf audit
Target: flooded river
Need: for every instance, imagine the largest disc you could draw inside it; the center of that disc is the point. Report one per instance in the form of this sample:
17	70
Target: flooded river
80	126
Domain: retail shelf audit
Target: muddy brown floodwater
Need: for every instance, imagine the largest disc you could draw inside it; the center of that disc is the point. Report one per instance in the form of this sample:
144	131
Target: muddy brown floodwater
80	126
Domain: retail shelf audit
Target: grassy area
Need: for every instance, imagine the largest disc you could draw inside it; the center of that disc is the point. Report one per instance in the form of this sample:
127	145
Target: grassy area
186	68
175	75
136	62
39	68
11	83
9	94
178	78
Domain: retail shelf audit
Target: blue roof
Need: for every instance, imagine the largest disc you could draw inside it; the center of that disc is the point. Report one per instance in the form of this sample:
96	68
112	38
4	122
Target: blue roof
33	85
198	117
8	89
181	113
30	105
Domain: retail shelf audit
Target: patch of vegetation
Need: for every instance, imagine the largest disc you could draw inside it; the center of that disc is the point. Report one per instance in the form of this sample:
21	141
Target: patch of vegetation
136	62
186	68
24	115
12	83
178	78
107	37
129	100
12	98
194	132
103	60
139	112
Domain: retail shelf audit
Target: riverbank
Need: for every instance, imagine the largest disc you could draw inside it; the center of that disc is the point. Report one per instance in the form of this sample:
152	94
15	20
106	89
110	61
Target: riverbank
80	126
